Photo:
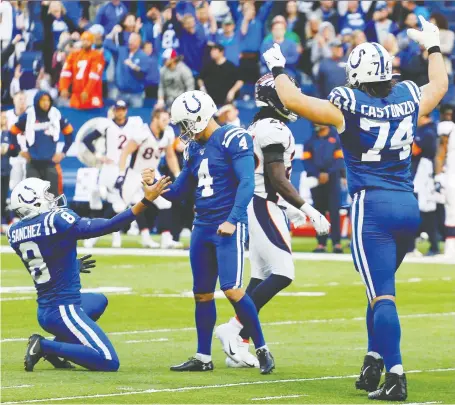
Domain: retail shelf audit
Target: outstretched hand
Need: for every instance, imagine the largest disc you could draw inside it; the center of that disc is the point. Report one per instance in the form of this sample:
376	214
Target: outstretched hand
85	264
274	57
152	192
428	37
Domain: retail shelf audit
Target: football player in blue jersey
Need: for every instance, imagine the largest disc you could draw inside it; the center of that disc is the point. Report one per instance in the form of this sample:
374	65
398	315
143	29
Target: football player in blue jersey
219	172
45	239
376	119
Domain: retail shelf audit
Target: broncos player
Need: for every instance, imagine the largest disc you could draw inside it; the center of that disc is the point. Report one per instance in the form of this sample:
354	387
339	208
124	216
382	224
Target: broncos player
272	267
45	239
376	119
219	172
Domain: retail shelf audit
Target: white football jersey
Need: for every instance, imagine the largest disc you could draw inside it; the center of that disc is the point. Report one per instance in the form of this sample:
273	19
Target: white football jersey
11	119
150	148
267	132
447	128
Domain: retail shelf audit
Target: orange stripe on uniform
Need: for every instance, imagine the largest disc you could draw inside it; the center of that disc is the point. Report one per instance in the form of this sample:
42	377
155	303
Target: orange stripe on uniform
338	154
59	178
307	155
416	150
15	130
68	130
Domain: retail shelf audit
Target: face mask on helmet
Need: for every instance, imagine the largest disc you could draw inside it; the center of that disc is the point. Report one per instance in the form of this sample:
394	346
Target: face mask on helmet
187	132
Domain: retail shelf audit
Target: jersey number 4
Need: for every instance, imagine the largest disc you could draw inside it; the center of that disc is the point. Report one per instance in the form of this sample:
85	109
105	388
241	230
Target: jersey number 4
401	139
205	180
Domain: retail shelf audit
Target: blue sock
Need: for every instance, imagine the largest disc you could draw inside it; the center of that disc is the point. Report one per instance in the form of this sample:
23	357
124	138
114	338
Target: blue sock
387	332
205	322
263	292
248	315
81	355
372	346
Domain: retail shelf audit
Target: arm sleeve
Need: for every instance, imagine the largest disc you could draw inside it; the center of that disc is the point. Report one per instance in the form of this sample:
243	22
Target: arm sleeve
67	130
90	138
87	228
182	186
110	45
265	10
19	126
273	153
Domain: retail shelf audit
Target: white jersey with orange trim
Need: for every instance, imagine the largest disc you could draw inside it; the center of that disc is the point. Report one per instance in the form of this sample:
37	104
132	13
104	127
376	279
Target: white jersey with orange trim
267	132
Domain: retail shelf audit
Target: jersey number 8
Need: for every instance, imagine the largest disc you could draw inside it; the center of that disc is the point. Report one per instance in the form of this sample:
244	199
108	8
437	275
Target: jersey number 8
33	259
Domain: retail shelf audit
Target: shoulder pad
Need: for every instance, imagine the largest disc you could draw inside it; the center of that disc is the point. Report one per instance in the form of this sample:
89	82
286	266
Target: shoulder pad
231	134
446	128
136	120
270	132
412	88
59	221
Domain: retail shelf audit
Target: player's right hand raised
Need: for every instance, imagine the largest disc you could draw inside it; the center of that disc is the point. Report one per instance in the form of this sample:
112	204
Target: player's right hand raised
148	176
152	192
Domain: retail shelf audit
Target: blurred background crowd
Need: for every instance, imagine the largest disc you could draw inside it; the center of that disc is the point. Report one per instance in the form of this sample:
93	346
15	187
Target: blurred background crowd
146	53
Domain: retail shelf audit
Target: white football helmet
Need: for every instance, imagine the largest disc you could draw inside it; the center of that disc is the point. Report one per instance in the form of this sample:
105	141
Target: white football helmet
31	197
192	111
369	63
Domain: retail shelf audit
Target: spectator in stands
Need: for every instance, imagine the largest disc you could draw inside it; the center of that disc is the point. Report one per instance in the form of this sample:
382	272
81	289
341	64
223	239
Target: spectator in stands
412	7
295	21
220	78
332	72
288	34
447	38
110	14
128	25
358	37
346	39
230	38
192	40
206	19
228	114
41	125
354	14
175	79
408	48
323	160
130	69
64	48
55	21
417	68
288	47
82	71
98	31
381	25
152	27
327	12
320	48
152	76
252	30
391	45
219	10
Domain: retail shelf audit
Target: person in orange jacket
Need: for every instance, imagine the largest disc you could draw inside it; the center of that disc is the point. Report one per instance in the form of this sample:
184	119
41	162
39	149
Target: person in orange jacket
83	70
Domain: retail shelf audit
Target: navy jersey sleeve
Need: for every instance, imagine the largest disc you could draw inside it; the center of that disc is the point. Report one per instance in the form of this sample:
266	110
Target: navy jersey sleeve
239	146
184	184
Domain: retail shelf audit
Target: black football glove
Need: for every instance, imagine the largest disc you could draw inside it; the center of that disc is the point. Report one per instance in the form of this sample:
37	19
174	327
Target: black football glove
85	264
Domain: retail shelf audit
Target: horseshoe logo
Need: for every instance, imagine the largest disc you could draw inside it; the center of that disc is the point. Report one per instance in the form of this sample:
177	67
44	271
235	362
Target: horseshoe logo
28	201
361	53
197	109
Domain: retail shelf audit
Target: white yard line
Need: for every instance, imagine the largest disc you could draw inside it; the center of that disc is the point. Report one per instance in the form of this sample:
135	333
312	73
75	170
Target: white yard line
331	257
16	386
277	323
206	387
278	397
148	340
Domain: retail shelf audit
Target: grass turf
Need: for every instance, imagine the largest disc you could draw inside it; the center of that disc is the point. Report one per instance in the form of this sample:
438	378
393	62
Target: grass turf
323	336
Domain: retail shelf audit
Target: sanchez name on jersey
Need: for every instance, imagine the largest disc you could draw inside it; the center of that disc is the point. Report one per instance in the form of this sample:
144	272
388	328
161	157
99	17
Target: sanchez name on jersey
377	136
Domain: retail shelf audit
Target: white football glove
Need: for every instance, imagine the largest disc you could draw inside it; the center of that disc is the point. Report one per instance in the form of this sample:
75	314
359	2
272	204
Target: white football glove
274	58
318	220
428	37
297	217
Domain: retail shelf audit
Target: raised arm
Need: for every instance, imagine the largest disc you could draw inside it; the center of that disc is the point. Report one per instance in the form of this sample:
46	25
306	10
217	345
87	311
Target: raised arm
434	91
311	108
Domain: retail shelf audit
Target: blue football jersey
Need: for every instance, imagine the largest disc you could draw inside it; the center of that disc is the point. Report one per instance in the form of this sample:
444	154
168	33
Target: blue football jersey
48	250
378	136
211	169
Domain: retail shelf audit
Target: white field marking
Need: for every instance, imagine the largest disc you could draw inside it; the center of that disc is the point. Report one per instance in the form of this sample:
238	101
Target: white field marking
423	403
207	387
31	289
314	257
148	340
276	323
16	299
278	397
16	386
220	294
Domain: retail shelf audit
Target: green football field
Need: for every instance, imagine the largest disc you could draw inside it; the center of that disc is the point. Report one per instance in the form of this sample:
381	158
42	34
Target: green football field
316	333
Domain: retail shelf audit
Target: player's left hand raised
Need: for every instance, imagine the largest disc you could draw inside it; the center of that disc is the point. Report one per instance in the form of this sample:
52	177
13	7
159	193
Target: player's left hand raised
152	192
85	264
226	229
274	58
148	176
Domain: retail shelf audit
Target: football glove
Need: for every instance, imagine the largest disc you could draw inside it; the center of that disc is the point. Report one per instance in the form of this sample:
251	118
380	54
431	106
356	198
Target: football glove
85	264
274	58
297	217
318	220
428	37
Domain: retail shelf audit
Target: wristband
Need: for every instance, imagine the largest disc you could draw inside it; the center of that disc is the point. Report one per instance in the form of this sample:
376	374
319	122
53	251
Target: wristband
434	49
146	202
277	70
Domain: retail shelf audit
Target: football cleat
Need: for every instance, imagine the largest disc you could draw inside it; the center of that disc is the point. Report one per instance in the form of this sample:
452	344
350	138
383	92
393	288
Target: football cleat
266	360
150	243
57	362
370	374
228	337
248	359
33	353
320	249
193	364
395	388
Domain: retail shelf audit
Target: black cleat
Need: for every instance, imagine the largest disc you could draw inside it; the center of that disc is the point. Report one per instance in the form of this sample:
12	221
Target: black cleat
193	364
370	374
395	388
337	249
57	362
320	249
266	361
33	353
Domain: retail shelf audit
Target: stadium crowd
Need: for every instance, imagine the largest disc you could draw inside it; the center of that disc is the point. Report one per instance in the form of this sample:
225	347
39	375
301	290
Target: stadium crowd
146	53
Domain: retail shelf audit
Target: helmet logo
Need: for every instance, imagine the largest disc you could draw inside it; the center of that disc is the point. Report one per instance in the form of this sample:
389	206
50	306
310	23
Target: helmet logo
356	65
20	197
197	109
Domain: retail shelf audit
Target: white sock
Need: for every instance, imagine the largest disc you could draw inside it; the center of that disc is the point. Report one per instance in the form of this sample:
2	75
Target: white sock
263	347
397	369
205	358
236	324
145	235
377	356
